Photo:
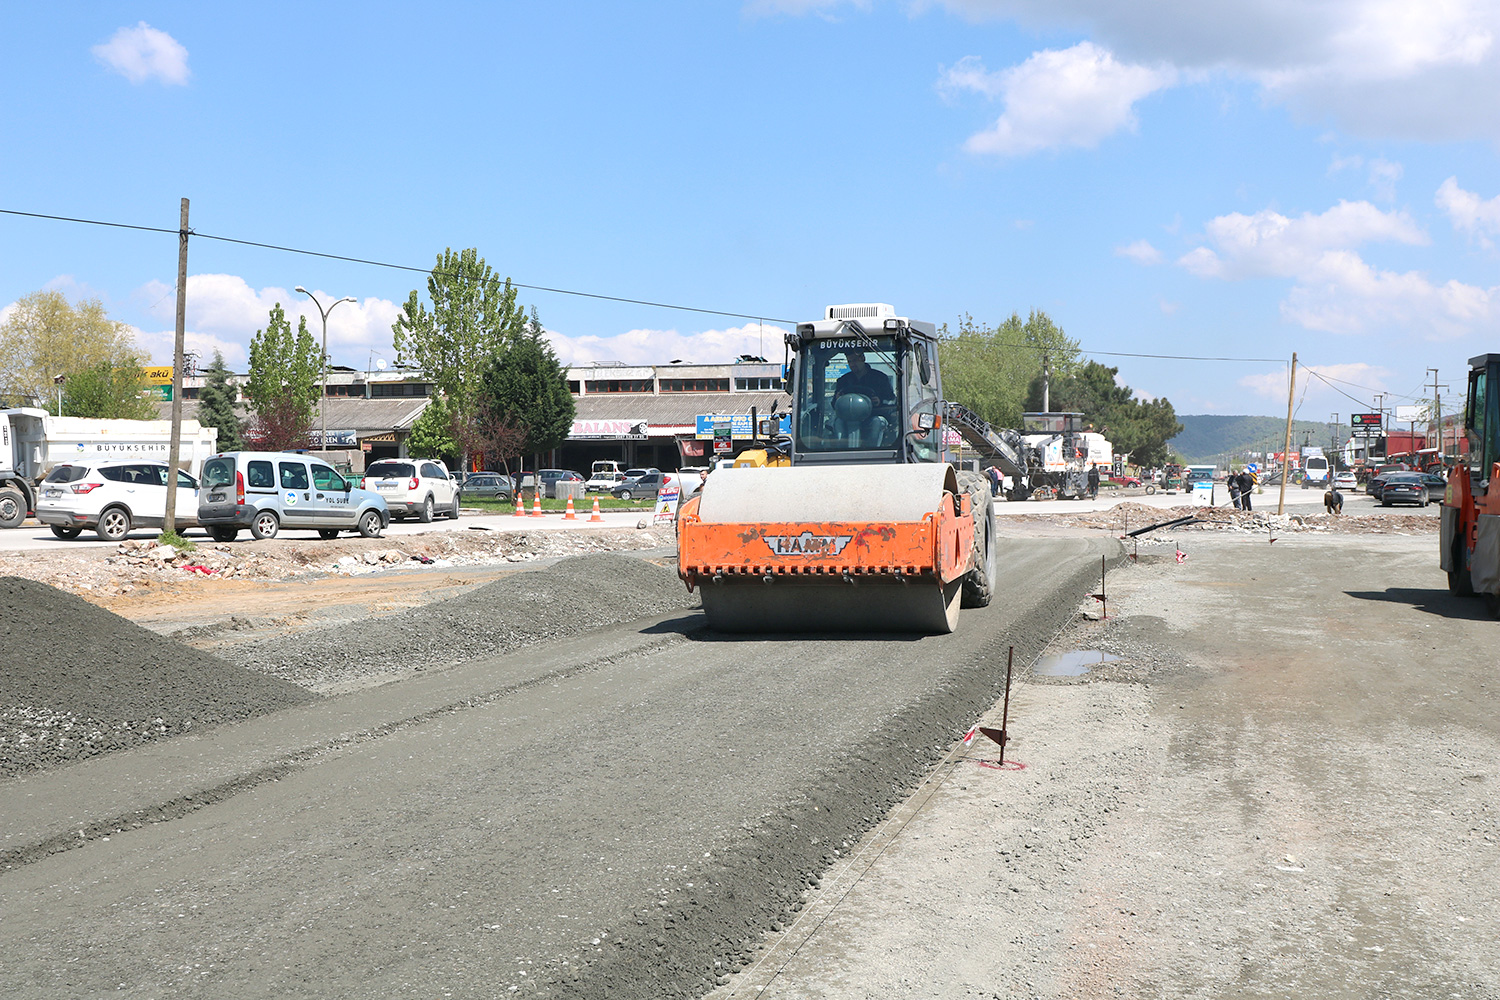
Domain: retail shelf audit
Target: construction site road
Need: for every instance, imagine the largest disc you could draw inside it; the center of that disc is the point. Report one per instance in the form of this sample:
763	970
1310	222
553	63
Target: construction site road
32	535
623	813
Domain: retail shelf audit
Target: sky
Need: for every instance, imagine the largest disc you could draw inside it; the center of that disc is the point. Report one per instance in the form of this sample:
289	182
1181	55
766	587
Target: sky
1240	179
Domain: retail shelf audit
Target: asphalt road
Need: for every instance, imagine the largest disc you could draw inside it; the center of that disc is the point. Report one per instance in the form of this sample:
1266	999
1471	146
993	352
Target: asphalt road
619	815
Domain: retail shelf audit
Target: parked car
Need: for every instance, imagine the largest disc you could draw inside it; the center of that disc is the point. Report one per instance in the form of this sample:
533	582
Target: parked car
551	477
488	486
1344	481
266	491
1403	487
642	486
419	487
638	473
1437	486
603	482
112	498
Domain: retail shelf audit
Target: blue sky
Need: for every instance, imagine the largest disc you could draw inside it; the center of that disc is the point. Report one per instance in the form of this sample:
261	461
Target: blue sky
1246	179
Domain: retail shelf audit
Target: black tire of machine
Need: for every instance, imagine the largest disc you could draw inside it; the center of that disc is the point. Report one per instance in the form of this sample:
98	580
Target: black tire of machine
12	508
328	533
1459	581
978	586
223	533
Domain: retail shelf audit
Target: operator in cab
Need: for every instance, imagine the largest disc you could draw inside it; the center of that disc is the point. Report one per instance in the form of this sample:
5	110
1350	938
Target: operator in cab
863	379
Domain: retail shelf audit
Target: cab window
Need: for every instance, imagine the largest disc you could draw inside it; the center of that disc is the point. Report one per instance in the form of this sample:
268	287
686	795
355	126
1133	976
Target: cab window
431	471
260	477
293	476
324	478
185	480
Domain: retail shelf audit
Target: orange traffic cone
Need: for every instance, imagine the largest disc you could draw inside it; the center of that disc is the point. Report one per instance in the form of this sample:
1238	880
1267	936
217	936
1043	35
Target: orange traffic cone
570	516
596	515
536	503
520	505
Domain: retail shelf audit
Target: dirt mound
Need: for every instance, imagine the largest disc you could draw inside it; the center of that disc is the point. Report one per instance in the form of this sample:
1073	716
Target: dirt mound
575	595
81	681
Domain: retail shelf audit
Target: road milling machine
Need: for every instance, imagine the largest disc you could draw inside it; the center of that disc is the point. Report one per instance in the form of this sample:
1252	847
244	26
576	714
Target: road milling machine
1469	547
867	527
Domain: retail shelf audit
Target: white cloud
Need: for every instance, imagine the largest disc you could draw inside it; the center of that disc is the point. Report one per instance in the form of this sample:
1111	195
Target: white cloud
1057	98
1383	178
1364	377
654	347
1470	214
1168	308
143	52
1141	252
6	311
1269	243
223	311
1382	67
1335	290
1339	163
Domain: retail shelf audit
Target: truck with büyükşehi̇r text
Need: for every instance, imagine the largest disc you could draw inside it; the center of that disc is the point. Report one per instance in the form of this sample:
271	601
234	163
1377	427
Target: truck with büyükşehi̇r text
33	442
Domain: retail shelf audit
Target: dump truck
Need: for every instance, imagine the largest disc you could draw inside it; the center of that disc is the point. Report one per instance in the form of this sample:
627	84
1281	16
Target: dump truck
866	526
32	441
1469	532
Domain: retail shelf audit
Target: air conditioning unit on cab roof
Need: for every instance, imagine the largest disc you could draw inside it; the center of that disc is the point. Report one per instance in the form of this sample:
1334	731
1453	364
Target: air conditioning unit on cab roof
861	310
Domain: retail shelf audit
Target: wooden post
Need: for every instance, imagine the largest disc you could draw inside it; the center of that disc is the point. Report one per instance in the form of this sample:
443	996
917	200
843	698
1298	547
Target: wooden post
1286	448
169	523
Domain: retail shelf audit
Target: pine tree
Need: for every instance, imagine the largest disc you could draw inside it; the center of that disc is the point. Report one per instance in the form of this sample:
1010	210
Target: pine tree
216	405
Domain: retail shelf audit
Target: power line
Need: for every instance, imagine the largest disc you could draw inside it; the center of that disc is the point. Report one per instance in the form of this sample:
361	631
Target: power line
566	291
401	267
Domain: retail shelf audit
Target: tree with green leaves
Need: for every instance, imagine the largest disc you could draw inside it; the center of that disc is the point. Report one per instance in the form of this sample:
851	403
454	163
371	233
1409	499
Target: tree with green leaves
285	383
990	370
216	405
108	391
45	336
432	432
526	388
474	318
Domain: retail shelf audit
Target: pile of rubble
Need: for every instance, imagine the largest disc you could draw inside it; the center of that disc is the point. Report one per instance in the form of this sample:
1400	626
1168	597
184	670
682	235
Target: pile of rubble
133	564
1128	516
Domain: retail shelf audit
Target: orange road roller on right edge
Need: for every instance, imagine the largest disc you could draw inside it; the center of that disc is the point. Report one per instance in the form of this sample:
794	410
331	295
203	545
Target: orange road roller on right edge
869	528
1470	536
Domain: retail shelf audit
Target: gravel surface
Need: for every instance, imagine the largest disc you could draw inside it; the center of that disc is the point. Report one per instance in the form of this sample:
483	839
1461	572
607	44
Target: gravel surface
81	681
1285	787
576	595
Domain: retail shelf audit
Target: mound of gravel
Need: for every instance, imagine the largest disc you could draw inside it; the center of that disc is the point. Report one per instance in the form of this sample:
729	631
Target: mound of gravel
576	595
81	681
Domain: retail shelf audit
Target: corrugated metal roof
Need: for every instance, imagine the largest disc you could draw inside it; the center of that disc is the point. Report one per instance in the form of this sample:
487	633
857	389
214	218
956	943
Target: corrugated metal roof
676	408
344	413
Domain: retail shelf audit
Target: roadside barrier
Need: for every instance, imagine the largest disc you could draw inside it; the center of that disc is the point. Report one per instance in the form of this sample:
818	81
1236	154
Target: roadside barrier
569	515
596	516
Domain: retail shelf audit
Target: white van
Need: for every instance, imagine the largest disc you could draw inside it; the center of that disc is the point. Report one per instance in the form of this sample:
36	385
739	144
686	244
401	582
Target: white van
266	491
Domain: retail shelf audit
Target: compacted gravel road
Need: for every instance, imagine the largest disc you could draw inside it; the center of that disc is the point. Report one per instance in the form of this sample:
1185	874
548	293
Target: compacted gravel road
622	811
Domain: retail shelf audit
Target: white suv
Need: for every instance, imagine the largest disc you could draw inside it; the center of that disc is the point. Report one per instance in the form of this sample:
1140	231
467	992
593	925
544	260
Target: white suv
414	486
112	498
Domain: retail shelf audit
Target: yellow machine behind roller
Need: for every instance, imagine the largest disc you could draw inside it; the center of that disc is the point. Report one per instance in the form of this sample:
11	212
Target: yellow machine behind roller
856	521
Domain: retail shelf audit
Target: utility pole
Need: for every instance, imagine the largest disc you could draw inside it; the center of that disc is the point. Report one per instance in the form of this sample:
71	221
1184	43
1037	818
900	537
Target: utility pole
1046	383
1286	454
169	523
1380	435
1437	410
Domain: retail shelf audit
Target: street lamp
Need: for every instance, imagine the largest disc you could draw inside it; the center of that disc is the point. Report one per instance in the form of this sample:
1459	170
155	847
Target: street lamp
323	403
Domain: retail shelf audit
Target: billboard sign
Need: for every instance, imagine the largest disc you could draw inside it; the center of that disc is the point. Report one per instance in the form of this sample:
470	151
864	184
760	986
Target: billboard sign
158	375
1365	419
738	425
1410	414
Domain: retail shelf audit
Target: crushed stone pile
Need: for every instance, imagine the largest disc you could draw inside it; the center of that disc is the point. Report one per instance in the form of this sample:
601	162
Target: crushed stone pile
139	565
82	681
576	595
1129	515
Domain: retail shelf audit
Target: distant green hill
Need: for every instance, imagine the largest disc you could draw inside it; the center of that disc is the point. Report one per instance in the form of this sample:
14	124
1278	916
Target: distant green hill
1209	437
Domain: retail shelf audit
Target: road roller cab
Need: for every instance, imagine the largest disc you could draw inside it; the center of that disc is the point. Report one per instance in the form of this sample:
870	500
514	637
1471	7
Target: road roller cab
869	528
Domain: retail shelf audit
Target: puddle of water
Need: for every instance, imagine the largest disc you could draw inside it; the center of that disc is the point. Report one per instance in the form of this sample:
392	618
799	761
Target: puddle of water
1072	663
